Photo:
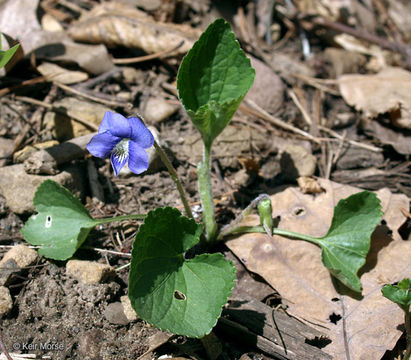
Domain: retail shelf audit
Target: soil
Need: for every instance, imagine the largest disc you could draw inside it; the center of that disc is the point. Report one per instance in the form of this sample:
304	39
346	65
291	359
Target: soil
50	307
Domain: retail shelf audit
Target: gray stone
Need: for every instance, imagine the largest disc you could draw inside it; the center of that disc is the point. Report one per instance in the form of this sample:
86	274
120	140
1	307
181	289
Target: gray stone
6	149
89	272
297	161
127	308
157	110
355	157
14	261
6	303
63	127
8	268
21	254
240	179
268	88
115	315
18	187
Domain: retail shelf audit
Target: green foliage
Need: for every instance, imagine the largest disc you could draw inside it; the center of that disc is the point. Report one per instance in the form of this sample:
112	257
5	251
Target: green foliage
5	56
400	294
168	291
62	223
346	245
213	79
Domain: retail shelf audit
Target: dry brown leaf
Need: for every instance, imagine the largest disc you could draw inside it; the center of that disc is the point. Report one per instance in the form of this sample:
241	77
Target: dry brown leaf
18	19
369	325
400	142
53	72
388	91
126	26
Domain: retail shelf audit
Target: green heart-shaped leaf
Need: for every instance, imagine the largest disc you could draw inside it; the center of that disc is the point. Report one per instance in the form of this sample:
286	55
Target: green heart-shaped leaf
181	296
346	245
62	223
213	79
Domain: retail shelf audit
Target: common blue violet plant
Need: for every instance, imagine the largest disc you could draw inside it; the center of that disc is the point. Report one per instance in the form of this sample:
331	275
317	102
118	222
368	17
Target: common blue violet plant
175	293
123	139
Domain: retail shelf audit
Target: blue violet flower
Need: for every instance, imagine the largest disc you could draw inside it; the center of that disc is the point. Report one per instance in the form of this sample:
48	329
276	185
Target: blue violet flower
122	139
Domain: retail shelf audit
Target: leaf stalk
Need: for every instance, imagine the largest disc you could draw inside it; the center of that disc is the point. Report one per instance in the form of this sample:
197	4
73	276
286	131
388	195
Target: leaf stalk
173	173
206	195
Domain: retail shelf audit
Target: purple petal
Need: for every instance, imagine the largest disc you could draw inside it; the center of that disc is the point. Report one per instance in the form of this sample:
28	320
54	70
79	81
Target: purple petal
101	145
140	134
115	124
138	158
117	163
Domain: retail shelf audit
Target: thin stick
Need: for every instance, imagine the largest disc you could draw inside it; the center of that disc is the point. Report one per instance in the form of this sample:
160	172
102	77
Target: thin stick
361	34
300	106
57	110
352	142
29	82
319	83
258	111
88	96
174	176
119	253
147	57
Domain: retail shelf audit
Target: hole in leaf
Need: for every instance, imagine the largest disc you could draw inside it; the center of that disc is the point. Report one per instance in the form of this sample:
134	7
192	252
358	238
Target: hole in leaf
334	318
48	221
179	295
319	342
299	211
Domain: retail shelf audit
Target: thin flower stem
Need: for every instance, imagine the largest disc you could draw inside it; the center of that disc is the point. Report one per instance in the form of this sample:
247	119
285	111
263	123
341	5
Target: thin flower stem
174	176
123	267
206	195
234	226
121	218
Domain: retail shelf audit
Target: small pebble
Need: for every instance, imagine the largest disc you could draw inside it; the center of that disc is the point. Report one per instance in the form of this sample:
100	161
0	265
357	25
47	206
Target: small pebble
89	272
128	310
114	313
6	303
21	254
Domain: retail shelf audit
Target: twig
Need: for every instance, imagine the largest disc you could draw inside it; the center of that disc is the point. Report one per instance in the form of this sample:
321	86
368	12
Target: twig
379	5
86	123
297	103
36	80
90	97
119	253
352	142
317	83
147	57
258	111
99	79
358	33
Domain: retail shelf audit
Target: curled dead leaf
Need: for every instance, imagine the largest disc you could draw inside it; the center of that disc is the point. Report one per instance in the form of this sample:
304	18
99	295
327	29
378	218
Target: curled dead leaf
389	91
114	28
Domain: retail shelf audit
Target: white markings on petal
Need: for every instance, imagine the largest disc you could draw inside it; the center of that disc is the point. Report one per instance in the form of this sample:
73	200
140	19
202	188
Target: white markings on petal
120	151
48	221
